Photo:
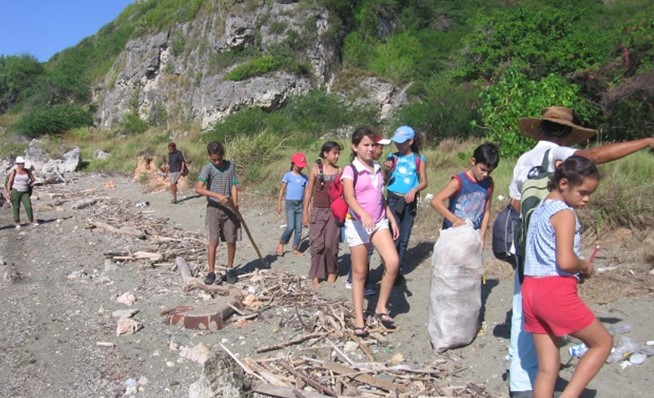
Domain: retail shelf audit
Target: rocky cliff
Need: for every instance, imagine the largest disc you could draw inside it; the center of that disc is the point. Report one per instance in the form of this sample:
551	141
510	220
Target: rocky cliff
181	73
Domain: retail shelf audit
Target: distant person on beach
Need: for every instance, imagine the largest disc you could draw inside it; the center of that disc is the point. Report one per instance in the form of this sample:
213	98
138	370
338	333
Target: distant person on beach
174	168
19	188
369	222
324	231
219	183
291	193
408	176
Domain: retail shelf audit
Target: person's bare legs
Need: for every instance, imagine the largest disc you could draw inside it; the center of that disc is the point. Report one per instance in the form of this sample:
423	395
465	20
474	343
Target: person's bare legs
383	242
315	282
549	363
212	249
599	343
231	252
359	260
331	278
173	192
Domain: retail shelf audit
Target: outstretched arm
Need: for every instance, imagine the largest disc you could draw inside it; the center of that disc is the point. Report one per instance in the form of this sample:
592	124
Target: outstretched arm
610	152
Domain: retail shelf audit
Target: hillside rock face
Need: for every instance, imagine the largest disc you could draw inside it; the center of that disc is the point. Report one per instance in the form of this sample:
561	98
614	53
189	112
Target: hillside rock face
180	74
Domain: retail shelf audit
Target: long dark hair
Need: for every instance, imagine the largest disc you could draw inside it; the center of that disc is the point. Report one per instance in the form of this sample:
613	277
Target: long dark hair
417	142
358	135
574	169
328	146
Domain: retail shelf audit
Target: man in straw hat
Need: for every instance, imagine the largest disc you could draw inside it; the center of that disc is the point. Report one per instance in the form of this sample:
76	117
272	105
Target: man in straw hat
556	130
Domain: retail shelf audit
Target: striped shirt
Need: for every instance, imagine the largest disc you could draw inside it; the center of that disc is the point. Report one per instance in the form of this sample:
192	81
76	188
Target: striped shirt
540	257
219	180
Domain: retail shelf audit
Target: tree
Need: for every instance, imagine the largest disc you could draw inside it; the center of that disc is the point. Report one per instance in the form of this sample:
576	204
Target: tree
17	74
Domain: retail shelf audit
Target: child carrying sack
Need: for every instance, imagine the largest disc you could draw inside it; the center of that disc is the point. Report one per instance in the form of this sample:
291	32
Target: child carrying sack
455	288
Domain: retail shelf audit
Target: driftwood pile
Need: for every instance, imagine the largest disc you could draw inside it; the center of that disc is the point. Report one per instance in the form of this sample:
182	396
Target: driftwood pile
312	363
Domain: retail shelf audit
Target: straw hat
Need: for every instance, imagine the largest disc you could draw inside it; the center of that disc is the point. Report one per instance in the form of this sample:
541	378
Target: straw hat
558	114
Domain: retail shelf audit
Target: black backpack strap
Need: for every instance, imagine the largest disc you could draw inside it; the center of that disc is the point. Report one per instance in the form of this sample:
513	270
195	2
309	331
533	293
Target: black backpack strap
321	173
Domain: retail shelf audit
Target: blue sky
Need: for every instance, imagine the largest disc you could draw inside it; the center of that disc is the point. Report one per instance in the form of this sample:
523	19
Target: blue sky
45	27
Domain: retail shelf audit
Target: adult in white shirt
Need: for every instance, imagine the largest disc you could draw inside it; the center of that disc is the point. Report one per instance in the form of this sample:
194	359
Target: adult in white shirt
557	130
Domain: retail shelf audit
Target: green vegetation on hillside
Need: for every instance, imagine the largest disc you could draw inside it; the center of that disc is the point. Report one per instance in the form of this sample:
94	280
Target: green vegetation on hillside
469	68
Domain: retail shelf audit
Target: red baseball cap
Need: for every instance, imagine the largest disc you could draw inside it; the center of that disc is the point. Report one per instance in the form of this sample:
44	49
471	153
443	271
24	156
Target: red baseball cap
299	159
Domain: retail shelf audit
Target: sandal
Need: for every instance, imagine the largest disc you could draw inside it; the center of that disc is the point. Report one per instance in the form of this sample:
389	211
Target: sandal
385	320
361	331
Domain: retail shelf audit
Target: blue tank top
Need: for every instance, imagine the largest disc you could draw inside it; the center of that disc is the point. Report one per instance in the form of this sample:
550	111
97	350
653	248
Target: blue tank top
469	202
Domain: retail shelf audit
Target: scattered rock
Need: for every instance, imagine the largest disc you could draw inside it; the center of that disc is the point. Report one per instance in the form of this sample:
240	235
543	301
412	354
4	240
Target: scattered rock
221	377
200	353
126	298
127	326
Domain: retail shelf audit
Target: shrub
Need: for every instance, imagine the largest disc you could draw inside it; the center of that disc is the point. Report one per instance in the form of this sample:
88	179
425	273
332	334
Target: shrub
514	96
53	120
304	117
177	44
252	68
541	39
251	154
444	110
132	124
396	58
17	74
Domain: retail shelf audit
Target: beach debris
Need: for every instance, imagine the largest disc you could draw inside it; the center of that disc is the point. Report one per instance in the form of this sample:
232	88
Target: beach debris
126	298
127	326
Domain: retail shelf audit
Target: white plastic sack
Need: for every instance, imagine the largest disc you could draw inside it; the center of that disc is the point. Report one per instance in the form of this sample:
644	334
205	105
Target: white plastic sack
455	289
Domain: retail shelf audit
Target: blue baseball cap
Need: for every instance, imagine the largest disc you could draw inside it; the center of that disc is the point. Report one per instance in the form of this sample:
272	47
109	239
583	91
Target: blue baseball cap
403	134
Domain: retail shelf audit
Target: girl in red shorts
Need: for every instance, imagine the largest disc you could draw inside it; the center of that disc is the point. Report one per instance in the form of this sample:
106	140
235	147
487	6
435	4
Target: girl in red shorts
551	306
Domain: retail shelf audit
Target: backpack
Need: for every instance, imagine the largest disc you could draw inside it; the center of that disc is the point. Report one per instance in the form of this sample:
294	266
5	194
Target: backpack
533	191
505	229
396	155
338	205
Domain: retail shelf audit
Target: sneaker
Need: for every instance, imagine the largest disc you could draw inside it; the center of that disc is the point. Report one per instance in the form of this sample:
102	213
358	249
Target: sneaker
230	277
17	226
367	291
34	223
210	278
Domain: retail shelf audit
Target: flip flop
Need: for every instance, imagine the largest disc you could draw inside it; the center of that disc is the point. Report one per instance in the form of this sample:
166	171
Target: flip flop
385	320
361	331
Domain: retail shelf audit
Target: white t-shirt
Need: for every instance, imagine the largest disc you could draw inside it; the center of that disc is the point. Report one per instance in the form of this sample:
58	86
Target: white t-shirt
534	158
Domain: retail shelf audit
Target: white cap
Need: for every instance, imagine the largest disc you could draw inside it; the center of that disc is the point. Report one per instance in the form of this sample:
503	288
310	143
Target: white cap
19	159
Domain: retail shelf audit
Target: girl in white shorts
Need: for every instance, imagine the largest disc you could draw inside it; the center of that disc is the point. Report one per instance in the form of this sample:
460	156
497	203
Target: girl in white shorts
368	224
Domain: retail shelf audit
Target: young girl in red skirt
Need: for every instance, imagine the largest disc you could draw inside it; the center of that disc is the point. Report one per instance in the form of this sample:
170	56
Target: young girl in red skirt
551	305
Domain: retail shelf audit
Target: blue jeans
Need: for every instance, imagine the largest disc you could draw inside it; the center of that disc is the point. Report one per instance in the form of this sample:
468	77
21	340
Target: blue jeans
522	352
294	210
404	214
